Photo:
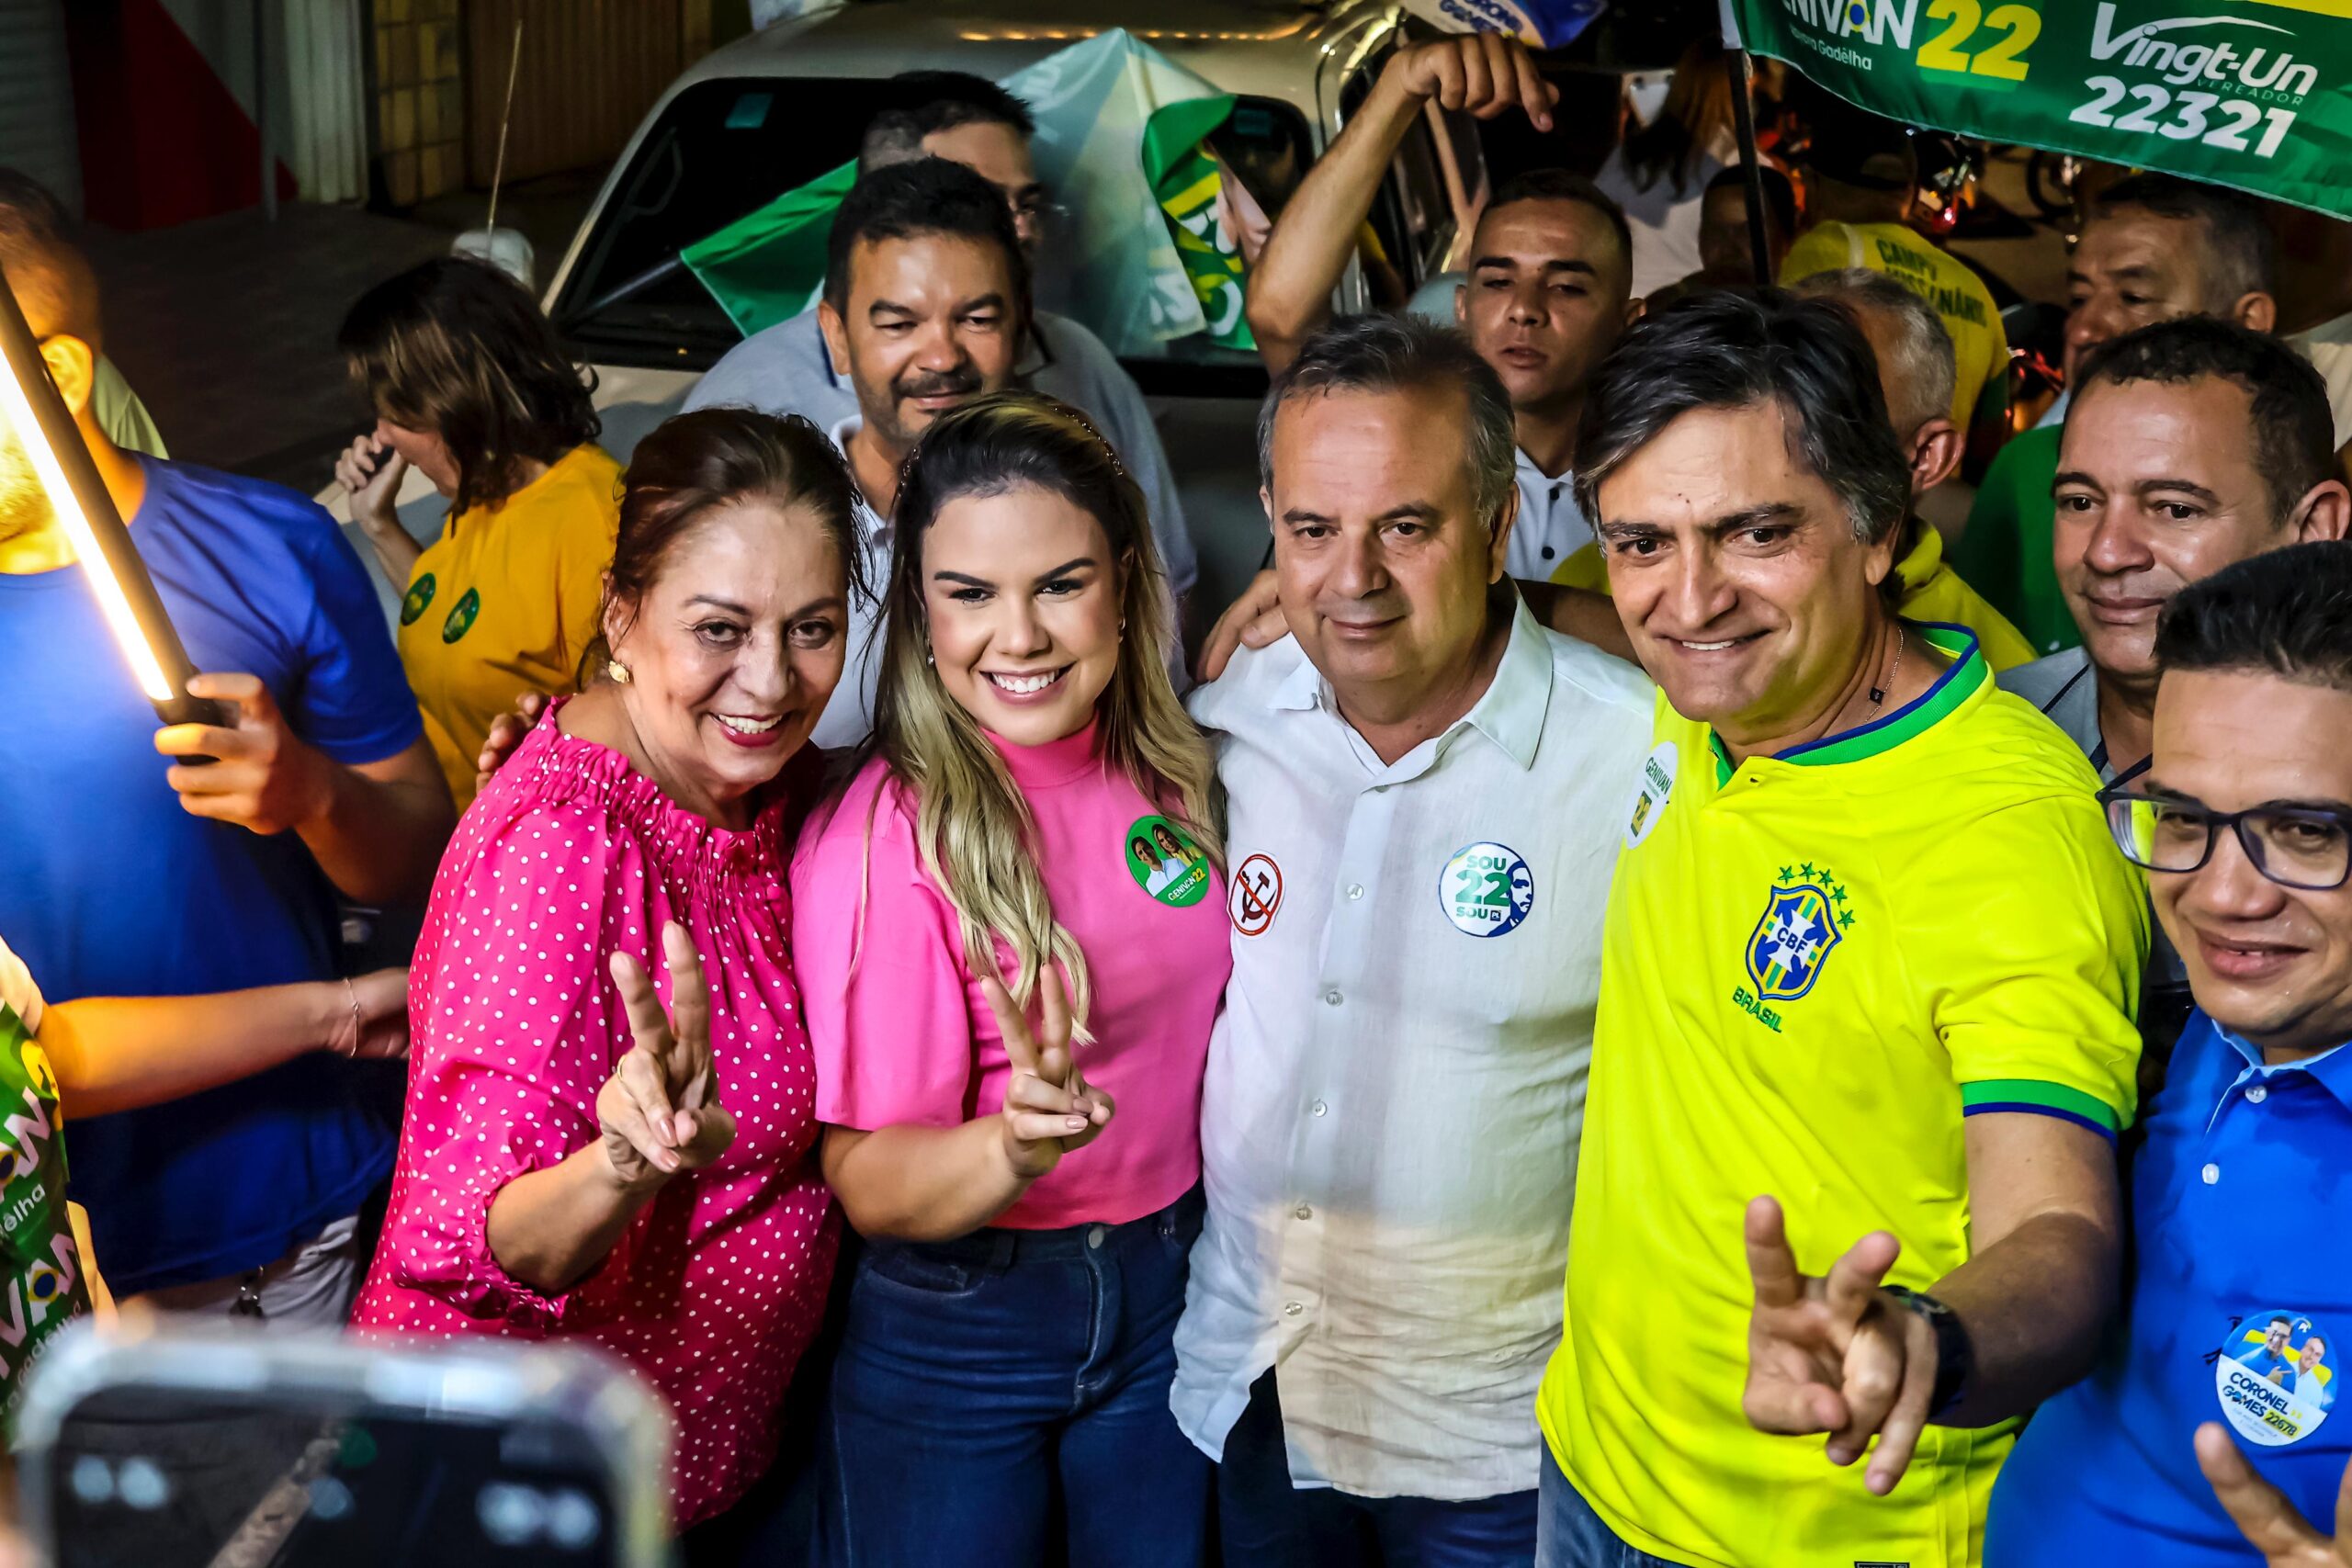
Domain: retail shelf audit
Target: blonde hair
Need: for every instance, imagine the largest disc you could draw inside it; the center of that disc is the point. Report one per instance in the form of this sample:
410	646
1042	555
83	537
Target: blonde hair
973	828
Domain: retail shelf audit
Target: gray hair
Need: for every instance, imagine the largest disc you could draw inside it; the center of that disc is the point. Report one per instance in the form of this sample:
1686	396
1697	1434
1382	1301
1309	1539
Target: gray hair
1734	349
2241	254
1404	353
1919	383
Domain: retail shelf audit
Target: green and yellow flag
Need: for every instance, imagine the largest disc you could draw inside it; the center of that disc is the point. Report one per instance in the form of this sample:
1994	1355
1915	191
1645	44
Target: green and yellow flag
2253	94
1142	252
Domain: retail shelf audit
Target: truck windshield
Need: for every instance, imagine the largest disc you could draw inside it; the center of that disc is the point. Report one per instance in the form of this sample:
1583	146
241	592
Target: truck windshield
723	149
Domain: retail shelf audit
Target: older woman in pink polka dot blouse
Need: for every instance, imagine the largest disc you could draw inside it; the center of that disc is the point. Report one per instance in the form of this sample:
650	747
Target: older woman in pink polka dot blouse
573	1165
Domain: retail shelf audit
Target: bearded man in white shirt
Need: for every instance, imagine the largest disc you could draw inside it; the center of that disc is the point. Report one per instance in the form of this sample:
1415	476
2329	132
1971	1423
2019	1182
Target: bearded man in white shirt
1428	791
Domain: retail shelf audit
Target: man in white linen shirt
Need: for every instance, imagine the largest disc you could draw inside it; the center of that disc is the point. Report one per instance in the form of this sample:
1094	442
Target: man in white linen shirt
787	368
1427	793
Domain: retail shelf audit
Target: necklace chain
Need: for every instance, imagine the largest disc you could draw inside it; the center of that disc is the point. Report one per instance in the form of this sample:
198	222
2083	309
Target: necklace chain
1878	694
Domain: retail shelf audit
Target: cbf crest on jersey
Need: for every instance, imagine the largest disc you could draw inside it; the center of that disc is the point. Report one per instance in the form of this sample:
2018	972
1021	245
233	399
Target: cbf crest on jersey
1800	928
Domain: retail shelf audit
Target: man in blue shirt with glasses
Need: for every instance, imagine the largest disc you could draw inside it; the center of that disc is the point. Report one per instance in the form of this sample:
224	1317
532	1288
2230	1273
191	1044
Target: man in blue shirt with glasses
2242	1192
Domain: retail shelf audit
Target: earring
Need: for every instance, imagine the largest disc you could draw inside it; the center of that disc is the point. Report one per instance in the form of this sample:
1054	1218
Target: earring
617	671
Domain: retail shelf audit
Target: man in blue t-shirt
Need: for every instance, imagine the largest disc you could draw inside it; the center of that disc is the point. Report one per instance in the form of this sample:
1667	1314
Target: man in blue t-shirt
124	874
2241	1277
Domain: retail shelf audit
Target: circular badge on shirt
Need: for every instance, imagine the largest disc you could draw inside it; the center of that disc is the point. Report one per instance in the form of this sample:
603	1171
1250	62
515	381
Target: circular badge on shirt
461	615
2276	1377
1255	894
1651	791
1165	861
419	594
1486	889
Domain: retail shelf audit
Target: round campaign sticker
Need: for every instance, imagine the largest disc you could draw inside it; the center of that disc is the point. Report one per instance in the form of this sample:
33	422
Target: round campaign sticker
1486	889
1256	894
1651	791
461	616
419	594
1165	861
2276	1377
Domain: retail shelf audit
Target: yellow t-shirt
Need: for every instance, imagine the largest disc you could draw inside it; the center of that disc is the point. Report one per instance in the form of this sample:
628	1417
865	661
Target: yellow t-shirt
1931	592
1814	966
1979	344
504	602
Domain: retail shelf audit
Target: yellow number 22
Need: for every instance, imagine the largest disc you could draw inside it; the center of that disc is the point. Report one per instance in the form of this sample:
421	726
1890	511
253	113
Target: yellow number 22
2021	24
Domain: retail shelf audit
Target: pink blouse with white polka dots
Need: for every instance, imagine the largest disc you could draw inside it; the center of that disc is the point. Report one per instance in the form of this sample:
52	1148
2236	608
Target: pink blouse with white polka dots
716	1287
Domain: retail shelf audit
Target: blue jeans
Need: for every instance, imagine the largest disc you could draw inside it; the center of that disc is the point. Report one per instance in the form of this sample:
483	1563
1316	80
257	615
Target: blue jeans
1003	1393
1573	1536
1263	1518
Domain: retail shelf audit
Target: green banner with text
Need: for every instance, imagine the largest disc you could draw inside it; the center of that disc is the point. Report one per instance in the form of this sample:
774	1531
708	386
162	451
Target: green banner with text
2255	94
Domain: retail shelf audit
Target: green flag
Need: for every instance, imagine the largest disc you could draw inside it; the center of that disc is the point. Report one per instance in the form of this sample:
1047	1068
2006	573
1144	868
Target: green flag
1116	123
2255	94
1188	183
768	265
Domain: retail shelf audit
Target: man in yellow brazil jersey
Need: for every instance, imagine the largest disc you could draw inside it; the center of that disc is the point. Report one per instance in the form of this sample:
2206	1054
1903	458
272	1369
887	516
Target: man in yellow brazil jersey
1865	1035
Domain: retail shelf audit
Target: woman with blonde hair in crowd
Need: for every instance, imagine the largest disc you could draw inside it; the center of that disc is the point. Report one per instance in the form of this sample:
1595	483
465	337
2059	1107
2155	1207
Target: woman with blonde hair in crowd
575	1164
472	386
1011	1013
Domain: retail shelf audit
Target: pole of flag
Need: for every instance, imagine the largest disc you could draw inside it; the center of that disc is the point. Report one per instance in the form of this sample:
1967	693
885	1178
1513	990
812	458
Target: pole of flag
31	406
1743	120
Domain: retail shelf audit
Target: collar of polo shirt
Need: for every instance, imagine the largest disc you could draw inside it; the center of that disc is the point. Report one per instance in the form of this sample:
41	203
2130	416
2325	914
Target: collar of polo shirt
2331	1068
1960	679
1509	712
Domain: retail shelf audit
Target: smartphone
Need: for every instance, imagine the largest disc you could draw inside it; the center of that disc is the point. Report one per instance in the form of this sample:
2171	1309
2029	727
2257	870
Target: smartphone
222	1445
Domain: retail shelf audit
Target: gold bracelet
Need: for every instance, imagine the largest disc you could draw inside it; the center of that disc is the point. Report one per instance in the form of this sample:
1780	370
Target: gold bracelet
351	1050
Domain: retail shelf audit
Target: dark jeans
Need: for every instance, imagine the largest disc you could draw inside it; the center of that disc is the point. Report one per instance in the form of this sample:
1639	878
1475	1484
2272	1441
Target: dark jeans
998	1392
1264	1520
1573	1536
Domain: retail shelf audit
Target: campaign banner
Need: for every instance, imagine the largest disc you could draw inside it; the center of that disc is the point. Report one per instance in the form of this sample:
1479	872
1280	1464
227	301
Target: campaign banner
2253	94
1538	24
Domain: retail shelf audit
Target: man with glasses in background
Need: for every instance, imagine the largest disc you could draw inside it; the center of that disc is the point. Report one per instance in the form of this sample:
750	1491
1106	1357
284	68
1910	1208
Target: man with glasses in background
2242	1195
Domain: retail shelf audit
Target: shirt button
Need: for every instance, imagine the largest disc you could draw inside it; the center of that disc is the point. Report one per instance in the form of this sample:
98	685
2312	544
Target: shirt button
1305	1212
1291	1309
1332	997
1355	889
2257	1094
1318	1107
2211	1173
1547	552
1094	1236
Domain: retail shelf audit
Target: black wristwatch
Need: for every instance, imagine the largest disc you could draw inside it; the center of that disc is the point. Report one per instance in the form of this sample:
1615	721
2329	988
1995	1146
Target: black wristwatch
1955	1356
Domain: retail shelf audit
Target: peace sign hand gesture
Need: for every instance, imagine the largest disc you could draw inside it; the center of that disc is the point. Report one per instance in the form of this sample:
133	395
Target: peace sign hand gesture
660	1110
1835	1354
2269	1523
1049	1107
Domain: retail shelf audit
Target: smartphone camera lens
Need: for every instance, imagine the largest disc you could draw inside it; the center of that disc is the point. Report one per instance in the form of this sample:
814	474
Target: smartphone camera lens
511	1515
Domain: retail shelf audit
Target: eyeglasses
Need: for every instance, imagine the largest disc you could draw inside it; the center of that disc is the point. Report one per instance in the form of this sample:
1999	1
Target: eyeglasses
2308	848
1038	214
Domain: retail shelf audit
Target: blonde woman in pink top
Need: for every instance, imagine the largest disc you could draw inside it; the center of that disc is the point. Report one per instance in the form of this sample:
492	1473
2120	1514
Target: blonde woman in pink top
1011	1012
574	1165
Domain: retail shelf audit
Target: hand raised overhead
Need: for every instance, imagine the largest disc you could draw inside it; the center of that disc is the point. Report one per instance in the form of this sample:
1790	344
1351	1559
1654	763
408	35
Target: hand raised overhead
660	1110
1834	1353
1483	74
1049	1107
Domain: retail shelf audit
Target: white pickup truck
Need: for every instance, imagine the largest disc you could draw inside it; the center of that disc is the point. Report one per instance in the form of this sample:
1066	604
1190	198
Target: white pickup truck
696	164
